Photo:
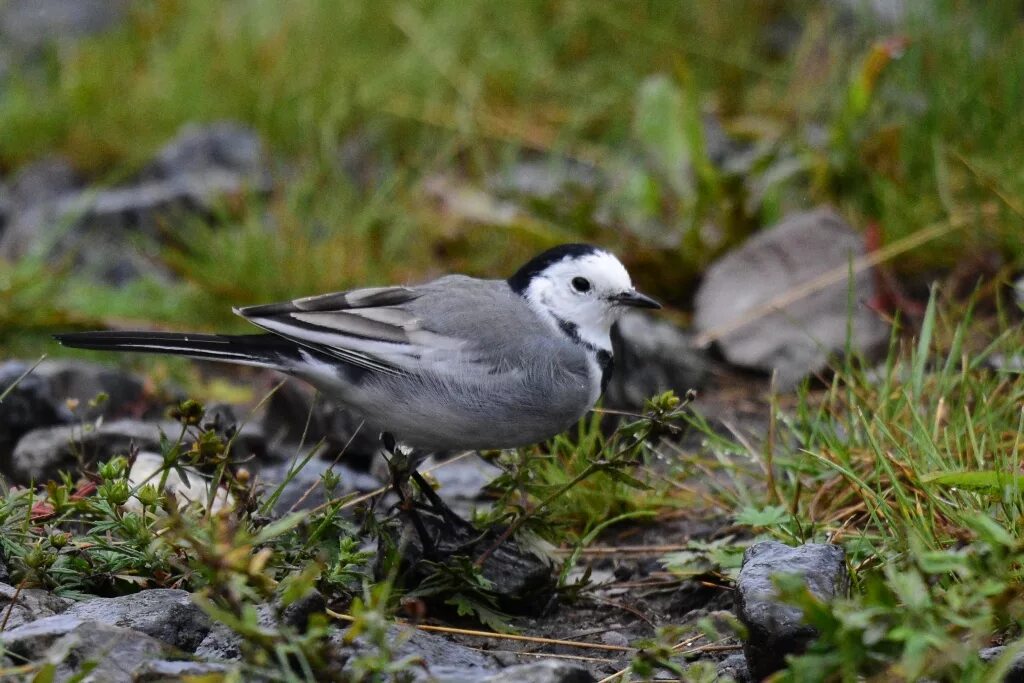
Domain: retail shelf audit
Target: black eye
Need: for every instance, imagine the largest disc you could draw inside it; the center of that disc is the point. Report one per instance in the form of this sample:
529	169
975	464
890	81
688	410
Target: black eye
581	284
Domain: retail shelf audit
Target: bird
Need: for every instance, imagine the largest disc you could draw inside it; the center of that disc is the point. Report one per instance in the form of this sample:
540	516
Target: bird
457	363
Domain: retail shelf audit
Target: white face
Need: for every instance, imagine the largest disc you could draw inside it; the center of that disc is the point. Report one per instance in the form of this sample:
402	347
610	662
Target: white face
581	291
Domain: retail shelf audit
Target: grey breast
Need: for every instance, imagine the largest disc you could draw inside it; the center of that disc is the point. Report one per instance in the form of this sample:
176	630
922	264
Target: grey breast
515	380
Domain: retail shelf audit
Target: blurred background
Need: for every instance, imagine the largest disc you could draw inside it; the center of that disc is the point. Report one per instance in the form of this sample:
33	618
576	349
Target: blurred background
163	160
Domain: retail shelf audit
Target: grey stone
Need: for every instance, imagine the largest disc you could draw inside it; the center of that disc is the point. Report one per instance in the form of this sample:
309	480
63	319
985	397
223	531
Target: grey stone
522	580
798	339
884	13
461	483
296	415
224	145
29	405
42	453
164	670
735	667
31	604
82	381
41	181
115	233
71	642
652	356
544	671
304	490
220	644
776	629
223	644
1015	674
28	25
5	195
614	638
297	614
166	614
92	228
546	179
447	662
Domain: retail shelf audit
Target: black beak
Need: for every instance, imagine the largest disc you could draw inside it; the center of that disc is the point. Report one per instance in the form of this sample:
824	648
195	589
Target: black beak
635	299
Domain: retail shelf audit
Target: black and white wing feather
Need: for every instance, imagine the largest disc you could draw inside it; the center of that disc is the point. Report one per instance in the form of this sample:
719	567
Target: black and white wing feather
371	328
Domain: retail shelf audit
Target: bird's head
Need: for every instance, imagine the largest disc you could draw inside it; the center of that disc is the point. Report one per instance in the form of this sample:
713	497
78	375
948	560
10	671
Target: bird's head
581	288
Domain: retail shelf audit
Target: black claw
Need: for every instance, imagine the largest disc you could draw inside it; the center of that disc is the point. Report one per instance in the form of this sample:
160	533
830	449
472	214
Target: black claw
438	505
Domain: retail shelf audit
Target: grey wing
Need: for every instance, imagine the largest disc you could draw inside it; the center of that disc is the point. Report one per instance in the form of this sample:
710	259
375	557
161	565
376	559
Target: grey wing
377	328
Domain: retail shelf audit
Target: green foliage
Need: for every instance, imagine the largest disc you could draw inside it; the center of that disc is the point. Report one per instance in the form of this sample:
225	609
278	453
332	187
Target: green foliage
926	617
569	487
109	534
912	468
460	583
722	556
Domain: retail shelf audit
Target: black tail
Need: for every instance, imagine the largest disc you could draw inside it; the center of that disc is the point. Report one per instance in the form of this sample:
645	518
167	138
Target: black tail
261	350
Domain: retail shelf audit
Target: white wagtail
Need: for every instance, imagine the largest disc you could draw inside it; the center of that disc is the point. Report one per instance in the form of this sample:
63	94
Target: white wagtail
458	363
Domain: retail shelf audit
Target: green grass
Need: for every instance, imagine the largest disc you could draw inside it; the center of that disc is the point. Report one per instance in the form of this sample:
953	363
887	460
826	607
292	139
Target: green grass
914	467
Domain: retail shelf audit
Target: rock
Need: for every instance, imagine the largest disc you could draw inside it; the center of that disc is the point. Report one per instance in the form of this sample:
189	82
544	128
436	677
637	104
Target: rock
69	641
169	615
797	340
41	181
652	356
42	453
294	491
166	671
544	671
545	179
126	393
614	638
461	483
146	470
297	415
735	667
26	26
522	580
91	228
221	643
223	145
463	201
776	629
29	405
5	194
31	604
298	613
446	661
1015	674
887	14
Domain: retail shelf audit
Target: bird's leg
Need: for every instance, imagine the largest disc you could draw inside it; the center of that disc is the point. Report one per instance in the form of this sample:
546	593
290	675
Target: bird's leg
438	505
399	467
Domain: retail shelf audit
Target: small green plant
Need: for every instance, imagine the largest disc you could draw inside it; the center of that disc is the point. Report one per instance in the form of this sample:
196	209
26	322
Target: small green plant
110	534
570	486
